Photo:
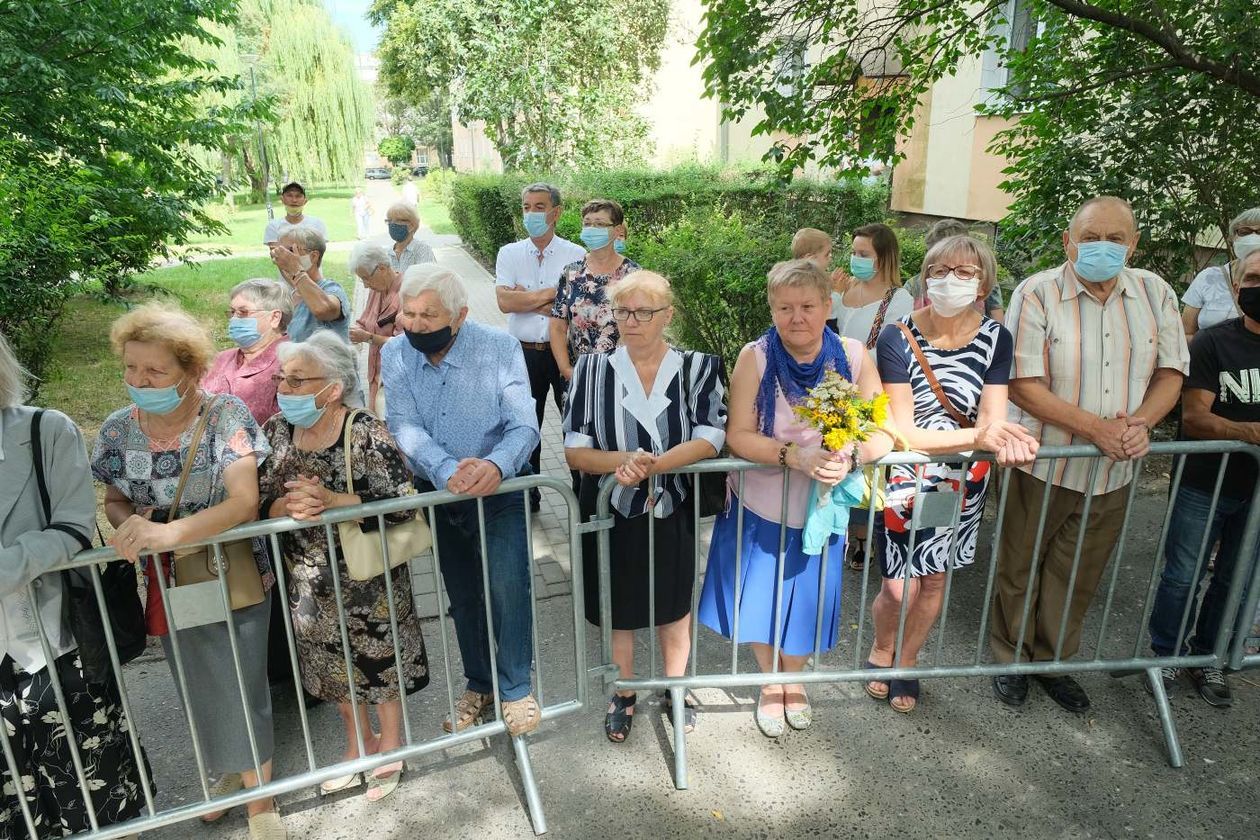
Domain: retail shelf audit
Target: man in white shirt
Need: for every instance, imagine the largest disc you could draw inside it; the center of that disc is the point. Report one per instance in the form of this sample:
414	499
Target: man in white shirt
526	275
293	196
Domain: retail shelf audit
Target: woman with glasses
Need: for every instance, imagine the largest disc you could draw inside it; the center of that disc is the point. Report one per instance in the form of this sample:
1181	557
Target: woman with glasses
581	318
642	411
945	368
305	477
1210	297
258	312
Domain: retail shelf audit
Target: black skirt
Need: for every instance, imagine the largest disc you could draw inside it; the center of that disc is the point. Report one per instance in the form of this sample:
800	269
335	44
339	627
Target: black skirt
674	575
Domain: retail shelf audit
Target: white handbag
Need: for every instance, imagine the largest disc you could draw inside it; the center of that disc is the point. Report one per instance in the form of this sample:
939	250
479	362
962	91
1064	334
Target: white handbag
362	550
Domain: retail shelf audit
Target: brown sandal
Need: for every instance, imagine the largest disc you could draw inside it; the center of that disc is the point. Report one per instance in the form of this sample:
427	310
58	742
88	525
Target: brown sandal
521	716
469	709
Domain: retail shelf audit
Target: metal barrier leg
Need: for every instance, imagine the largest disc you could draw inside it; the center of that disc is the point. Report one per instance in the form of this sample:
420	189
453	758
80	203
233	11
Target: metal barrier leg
1165	718
532	798
678	697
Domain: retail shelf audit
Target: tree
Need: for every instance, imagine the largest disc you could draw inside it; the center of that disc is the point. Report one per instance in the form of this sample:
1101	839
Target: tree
1156	101
428	121
396	148
555	82
102	106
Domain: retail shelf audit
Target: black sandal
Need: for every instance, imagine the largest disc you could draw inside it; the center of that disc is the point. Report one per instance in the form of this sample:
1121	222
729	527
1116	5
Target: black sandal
856	561
903	688
689	711
617	723
868	665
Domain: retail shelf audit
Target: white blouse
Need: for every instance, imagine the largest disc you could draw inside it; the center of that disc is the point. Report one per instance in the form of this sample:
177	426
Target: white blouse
1212	295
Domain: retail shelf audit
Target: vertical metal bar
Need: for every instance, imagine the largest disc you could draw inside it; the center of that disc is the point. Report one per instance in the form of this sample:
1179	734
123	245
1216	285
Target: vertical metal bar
949	563
907	580
678	702
180	677
491	641
1005	476
1239	613
439	584
67	719
1116	560
1036	558
1153	584
345	636
393	623
1076	564
652	633
282	586
822	591
695	576
603	514
533	594
739	562
236	657
778	588
112	646
879	481
15	773
577	574
1204	547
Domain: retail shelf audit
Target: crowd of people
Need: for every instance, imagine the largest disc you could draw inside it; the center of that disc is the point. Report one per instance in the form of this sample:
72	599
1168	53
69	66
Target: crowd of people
1093	350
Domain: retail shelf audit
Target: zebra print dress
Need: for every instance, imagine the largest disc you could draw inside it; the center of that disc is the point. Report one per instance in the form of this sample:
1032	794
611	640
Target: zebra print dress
963	373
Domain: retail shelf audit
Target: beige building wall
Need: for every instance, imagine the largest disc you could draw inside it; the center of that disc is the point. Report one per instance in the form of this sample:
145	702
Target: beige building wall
471	149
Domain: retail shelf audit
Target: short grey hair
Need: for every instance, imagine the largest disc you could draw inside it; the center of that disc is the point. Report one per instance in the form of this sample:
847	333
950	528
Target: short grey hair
13	377
433	277
798	274
542	186
1247	218
369	256
333	356
266	294
308	237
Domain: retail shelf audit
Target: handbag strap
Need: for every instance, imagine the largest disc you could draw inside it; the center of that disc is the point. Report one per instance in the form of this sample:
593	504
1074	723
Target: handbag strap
198	433
941	397
878	323
354	412
45	501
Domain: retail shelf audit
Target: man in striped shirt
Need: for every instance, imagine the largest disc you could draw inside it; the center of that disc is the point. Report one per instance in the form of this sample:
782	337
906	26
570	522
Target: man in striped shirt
1100	355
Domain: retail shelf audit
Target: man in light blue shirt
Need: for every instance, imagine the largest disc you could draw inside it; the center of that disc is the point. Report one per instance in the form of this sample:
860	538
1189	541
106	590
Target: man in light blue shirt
458	403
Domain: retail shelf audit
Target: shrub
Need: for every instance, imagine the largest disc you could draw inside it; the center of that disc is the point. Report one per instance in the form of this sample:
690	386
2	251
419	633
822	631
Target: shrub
399	175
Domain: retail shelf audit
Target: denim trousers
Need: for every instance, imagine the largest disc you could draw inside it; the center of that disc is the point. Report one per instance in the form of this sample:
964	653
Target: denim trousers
1179	585
507	560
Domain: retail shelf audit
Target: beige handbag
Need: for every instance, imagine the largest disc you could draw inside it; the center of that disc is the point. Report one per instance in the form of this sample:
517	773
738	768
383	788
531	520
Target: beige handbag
197	565
362	551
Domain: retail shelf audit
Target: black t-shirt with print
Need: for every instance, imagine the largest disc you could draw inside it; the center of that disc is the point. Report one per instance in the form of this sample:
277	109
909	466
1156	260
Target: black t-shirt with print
1225	359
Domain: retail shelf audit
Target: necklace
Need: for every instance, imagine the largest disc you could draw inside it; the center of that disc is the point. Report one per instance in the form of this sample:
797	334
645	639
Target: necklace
168	443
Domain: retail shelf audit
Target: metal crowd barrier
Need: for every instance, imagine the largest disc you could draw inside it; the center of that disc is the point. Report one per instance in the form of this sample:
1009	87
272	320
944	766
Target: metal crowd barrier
846	669
155	816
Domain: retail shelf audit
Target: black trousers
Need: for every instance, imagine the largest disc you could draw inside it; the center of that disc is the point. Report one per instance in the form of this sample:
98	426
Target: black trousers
544	376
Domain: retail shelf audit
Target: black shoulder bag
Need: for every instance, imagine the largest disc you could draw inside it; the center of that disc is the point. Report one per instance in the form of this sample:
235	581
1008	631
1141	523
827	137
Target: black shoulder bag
79	608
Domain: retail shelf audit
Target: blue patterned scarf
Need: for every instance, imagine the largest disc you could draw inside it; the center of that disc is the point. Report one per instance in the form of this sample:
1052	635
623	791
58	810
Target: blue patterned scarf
792	377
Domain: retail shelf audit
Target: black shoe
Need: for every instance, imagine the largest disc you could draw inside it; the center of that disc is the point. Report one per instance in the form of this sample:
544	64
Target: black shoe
1167	676
1011	689
1211	685
535	501
1065	691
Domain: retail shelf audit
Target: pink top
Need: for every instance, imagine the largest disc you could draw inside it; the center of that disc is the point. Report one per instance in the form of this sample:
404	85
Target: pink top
763	489
380	317
232	373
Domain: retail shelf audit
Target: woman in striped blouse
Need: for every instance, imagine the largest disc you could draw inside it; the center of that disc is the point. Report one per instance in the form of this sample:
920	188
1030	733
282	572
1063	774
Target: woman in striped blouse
637	413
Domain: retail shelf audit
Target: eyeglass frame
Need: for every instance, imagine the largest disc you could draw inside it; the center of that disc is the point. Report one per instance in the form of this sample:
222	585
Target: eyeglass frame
651	313
277	378
977	274
235	313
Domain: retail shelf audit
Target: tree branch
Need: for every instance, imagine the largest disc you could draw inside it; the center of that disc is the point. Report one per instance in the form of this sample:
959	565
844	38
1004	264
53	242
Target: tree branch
1167	41
1101	81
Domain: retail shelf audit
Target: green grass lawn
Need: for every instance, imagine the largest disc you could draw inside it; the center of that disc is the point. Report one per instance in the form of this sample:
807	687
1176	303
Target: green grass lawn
84	379
246	222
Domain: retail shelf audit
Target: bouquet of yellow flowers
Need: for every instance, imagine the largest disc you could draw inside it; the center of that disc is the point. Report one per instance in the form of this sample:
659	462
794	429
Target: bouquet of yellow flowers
835	408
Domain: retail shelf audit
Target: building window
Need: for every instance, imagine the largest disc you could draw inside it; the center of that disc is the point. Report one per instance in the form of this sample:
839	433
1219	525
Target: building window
790	67
1014	27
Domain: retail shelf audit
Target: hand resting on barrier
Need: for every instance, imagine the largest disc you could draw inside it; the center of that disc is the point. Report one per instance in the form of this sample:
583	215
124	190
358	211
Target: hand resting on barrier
820	464
475	477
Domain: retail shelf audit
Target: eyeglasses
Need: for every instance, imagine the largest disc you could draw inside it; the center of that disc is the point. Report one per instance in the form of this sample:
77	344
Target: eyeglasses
295	381
244	313
599	224
966	271
1246	231
640	315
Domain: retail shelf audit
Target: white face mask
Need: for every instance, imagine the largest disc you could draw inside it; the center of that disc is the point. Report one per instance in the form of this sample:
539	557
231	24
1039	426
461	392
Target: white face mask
304	262
949	295
1245	245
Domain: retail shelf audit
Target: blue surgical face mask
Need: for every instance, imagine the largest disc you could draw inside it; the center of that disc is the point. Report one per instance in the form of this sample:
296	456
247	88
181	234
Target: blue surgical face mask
156	400
300	409
595	238
1098	262
244	331
862	268
535	223
398	231
619	245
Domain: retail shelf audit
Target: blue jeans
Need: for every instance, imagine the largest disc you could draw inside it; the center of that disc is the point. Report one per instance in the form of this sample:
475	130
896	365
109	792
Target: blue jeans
459	556
1179	585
